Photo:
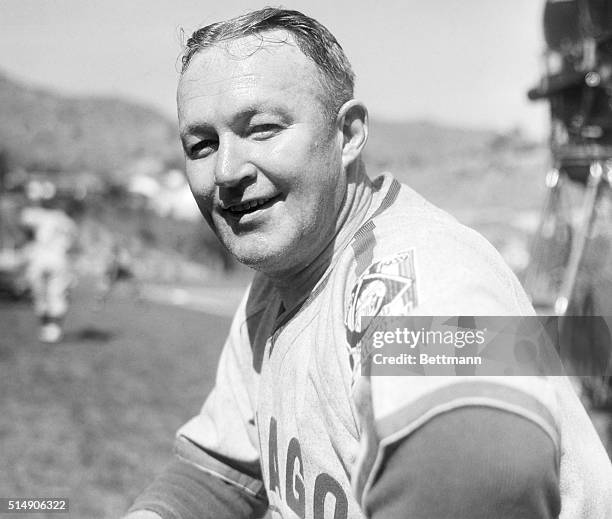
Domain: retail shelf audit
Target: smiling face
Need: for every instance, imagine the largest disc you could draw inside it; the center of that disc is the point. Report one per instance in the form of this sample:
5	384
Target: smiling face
263	163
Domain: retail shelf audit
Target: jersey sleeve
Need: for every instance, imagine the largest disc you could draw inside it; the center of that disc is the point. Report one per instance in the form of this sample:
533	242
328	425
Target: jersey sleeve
474	462
225	430
183	491
448	446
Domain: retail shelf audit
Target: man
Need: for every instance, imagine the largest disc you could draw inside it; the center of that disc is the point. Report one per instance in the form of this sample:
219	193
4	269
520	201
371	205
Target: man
119	269
273	138
47	255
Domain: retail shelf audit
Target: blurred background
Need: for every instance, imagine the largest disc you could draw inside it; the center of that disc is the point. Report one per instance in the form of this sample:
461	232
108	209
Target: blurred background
88	130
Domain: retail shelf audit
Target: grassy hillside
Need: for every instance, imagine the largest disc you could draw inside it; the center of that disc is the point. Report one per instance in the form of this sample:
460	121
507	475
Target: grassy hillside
460	169
43	130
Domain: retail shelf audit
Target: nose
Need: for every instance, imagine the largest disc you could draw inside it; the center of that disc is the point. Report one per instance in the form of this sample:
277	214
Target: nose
233	166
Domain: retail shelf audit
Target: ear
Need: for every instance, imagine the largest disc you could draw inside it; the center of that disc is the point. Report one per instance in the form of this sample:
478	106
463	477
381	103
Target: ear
353	121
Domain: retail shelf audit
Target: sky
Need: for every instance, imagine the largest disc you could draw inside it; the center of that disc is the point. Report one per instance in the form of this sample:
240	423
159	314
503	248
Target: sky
458	62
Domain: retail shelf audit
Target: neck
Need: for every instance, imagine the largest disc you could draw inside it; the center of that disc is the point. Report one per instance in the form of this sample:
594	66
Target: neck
295	286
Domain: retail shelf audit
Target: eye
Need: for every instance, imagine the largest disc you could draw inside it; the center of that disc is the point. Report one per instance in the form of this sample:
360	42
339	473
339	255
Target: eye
202	148
264	131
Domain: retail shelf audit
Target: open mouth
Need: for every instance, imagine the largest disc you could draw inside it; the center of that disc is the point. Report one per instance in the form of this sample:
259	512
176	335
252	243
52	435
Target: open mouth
250	206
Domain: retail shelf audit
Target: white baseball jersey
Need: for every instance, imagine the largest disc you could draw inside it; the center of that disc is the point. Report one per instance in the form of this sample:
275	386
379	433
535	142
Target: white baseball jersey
290	413
48	260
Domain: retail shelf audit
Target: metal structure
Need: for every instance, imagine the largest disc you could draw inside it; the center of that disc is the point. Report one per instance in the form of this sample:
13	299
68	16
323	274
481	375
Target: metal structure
570	271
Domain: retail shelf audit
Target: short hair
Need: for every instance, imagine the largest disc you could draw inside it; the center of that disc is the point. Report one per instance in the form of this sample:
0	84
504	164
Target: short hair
312	38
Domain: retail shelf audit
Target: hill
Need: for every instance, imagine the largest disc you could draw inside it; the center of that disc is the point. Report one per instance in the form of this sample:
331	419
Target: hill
43	130
414	143
454	167
460	169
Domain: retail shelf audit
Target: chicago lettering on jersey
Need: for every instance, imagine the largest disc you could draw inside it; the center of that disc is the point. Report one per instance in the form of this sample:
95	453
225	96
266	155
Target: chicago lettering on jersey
323	488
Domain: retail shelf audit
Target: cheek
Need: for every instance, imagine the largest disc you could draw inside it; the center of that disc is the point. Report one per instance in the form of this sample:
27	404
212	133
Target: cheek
312	174
201	185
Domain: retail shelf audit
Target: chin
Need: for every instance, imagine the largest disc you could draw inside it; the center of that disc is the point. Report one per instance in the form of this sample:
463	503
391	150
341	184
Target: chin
254	261
253	257
269	260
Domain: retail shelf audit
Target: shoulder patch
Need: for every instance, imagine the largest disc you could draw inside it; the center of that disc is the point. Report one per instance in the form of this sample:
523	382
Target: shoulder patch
386	287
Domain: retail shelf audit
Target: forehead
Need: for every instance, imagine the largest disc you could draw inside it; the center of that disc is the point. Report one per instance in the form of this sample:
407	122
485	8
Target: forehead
266	69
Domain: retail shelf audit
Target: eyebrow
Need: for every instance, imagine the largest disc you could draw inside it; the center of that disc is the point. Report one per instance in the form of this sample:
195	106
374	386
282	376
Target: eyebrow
195	129
200	127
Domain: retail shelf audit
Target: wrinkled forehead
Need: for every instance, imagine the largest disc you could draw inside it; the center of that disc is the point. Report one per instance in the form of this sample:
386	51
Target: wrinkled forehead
270	59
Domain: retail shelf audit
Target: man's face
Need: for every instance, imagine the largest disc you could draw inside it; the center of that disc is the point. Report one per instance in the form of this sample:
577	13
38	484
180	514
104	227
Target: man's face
262	161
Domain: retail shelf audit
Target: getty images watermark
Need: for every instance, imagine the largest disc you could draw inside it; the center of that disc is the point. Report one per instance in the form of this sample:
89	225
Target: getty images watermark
491	346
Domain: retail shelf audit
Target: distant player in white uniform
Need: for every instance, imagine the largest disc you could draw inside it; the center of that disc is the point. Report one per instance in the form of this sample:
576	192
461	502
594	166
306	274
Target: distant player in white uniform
53	235
272	138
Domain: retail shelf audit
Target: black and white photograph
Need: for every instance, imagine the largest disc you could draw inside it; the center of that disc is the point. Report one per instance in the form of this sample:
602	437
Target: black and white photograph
315	260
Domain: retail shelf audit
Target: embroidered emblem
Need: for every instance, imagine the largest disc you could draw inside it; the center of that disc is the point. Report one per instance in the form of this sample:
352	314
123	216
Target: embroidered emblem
387	287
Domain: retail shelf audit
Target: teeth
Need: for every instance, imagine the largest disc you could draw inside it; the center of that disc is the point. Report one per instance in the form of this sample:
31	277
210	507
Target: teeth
248	205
